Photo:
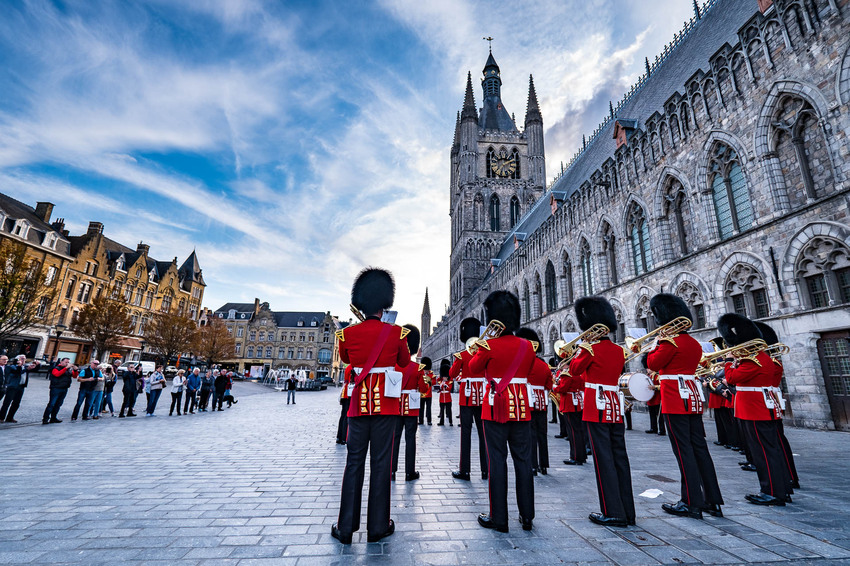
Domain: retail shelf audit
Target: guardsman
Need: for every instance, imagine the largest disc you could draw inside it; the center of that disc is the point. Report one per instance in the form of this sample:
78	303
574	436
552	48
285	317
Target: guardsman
600	364
471	395
720	401
656	421
539	384
445	393
506	362
676	358
570	390
427	396
771	338
344	402
553	363
413	384
753	378
374	348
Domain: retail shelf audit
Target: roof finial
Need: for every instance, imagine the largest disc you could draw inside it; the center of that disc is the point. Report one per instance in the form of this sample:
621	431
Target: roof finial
489	40
646	61
611	108
696	10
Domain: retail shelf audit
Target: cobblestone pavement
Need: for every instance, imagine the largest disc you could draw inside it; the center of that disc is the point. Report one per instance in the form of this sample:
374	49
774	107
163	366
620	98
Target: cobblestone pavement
259	484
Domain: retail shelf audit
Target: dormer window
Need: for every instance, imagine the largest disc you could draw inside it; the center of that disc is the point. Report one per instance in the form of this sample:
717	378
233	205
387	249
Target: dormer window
231	313
119	265
151	276
138	272
313	322
300	322
50	239
21	228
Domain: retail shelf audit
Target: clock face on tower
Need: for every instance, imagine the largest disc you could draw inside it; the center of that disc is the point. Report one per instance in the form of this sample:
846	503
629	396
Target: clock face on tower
503	165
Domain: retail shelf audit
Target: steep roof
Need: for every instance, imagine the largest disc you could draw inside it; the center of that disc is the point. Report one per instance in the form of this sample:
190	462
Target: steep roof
15	210
191	269
290	319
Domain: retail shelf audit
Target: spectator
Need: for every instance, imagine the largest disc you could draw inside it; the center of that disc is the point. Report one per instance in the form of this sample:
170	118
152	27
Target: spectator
97	395
87	378
110	378
291	384
220	387
207	383
17	378
60	381
177	391
155	383
130	389
146	383
228	393
193	383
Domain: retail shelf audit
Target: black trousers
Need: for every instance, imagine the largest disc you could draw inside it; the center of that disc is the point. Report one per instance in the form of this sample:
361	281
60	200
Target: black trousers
219	398
696	468
445	409
727	430
205	399
517	436
627	415
656	421
175	401
406	426
425	410
564	425
191	401
468	415
373	435
742	437
577	430
54	403
342	426
613	474
129	400
11	402
554	410
766	449
539	440
788	456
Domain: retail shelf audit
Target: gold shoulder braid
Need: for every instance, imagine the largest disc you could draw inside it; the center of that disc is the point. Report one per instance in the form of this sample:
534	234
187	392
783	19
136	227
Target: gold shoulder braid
404	331
340	335
587	346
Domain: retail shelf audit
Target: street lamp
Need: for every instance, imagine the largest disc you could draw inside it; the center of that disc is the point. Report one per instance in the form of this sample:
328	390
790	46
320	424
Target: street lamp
142	351
59	329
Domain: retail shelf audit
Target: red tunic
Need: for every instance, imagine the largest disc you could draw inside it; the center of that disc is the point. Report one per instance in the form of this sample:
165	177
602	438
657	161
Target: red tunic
656	398
346	379
414	379
445	390
355	344
430	392
600	363
541	383
471	386
678	355
513	403
751	405
571	391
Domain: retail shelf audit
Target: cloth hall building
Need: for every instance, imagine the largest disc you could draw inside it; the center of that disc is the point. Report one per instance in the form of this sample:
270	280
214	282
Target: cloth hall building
721	176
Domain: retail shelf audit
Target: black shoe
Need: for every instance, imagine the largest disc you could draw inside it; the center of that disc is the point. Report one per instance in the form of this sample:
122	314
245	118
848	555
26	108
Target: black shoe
572	462
461	475
73	419
662	433
55	421
377	537
121	415
171	414
191	412
589	452
601	519
439	424
95	417
45	422
13	421
631	522
543	471
392	476
485	521
131	414
559	436
553	422
485	475
795	484
682	509
788	498
411	477
527	524
628	428
718	443
713	509
651	431
429	423
764	499
235	401
343	538
338	441
85	418
749	468
744	463
451	424
534	471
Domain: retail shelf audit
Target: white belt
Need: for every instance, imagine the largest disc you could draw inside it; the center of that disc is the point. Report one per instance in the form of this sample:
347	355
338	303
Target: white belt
474	379
676	377
604	387
758	389
519	380
537	387
383	369
409	391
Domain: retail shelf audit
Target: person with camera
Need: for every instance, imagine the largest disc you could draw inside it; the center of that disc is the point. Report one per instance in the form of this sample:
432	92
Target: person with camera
17	378
156	383
88	378
60	382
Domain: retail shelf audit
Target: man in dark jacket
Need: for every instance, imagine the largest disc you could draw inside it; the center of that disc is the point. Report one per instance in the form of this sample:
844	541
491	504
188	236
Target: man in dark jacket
60	381
291	385
88	378
130	390
220	387
16	381
207	383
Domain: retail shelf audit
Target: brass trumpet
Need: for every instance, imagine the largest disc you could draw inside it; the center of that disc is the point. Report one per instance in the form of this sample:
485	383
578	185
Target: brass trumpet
746	350
494	330
357	313
642	344
564	349
776	350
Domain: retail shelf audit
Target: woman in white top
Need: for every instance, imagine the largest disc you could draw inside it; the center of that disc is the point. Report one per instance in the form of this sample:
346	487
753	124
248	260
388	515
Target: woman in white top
157	384
177	391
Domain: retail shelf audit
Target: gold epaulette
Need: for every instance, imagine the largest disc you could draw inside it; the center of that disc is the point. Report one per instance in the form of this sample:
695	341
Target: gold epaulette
339	335
671	339
626	352
458	355
751	358
404	331
587	346
421	367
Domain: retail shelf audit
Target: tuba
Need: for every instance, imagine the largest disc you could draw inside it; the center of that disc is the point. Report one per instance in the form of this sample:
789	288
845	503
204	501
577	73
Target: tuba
644	344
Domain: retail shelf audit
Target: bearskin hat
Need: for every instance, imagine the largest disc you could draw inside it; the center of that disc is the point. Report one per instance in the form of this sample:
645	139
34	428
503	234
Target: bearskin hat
768	333
737	329
426	361
412	339
595	310
529	335
445	366
373	291
666	307
504	307
469	328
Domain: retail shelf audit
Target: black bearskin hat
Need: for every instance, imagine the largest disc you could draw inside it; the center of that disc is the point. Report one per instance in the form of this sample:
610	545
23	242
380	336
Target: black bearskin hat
767	333
412	339
718	342
528	334
445	366
469	328
426	361
737	329
666	307
595	310
553	362
504	307
373	291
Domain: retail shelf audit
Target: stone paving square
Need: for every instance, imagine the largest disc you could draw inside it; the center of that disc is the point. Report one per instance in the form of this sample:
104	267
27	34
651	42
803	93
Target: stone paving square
258	484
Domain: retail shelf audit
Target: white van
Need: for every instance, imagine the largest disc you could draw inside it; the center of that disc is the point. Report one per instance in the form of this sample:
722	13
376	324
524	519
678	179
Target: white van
147	367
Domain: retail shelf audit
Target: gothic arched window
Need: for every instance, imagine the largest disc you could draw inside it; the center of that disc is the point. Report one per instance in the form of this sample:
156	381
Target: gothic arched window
551	288
526	303
644	314
515	156
638	230
689	293
569	294
609	247
478	212
586	269
538	298
491	158
746	292
495	215
823	269
514	211
798	143
729	190
675	212
620	331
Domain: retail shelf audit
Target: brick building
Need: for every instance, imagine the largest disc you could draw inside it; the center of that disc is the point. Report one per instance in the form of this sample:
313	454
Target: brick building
721	176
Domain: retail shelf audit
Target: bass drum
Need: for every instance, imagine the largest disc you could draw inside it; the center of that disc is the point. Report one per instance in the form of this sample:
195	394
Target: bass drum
637	385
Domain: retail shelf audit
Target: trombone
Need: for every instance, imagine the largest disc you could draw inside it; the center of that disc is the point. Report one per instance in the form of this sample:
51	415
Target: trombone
567	350
640	345
776	350
493	330
748	349
357	313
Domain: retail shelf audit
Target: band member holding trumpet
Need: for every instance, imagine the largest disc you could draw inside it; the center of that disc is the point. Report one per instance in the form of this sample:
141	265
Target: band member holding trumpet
344	402
428	394
412	386
570	390
506	362
599	362
471	395
446	385
540	384
656	420
374	348
676	357
752	373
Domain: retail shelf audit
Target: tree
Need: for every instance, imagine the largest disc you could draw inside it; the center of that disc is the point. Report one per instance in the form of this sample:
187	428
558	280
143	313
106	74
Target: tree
170	334
214	343
24	294
103	322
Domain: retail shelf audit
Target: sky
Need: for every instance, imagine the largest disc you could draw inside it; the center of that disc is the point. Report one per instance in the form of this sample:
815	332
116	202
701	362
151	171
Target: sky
292	144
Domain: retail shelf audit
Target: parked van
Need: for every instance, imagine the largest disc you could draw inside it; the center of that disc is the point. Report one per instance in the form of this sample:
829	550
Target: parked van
147	367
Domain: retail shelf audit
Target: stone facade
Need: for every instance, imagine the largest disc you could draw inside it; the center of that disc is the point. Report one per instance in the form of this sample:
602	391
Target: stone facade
722	176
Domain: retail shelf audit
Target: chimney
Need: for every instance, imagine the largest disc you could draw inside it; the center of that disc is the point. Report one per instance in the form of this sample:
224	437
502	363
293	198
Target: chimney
43	210
143	248
95	228
256	306
59	225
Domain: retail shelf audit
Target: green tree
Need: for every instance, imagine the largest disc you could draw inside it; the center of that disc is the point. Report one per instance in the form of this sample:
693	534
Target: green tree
24	295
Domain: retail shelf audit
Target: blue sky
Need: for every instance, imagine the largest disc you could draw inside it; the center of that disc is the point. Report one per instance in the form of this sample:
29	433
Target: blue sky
291	143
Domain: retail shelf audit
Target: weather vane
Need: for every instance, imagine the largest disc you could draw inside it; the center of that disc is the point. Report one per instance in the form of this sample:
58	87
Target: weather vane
489	40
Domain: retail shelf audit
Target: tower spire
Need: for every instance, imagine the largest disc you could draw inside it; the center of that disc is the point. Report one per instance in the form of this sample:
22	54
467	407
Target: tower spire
532	111
469	111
